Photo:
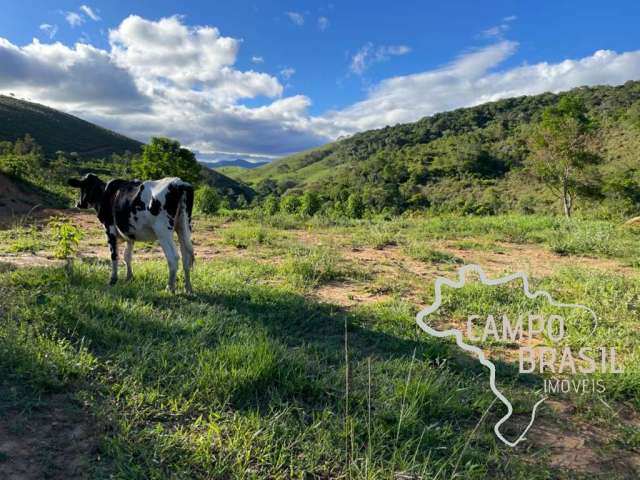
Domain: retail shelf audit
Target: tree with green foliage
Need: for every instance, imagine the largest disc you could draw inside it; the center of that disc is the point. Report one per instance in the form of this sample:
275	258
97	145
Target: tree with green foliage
164	157
207	200
290	204
271	205
310	203
562	147
355	206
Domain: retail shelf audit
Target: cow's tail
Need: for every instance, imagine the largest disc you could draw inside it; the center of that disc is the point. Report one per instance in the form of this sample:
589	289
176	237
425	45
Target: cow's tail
185	209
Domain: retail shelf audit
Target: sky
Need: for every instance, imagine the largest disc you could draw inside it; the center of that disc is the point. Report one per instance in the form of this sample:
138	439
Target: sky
263	79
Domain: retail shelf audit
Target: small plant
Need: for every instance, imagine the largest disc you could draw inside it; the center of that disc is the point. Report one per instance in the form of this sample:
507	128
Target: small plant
67	237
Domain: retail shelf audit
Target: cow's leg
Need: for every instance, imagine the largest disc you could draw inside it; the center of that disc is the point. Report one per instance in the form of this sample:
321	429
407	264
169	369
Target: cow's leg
186	251
169	249
112	239
128	254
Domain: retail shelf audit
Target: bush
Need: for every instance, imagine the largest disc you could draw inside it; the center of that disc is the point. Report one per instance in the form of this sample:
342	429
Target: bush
271	205
164	157
290	204
207	200
310	204
19	165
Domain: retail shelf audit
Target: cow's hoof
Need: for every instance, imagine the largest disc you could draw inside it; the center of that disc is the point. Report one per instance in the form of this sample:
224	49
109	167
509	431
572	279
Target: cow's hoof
113	281
171	289
129	278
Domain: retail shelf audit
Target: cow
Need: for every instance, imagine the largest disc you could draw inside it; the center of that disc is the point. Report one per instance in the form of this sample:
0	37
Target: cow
133	210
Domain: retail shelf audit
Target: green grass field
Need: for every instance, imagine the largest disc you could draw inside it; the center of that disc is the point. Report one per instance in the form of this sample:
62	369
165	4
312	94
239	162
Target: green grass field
299	355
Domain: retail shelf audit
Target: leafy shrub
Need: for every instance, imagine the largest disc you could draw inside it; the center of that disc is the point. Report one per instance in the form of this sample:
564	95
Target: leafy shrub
67	237
309	204
271	205
207	200
290	204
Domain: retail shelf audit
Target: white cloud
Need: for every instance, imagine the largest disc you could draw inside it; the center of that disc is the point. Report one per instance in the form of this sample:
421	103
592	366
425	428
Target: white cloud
369	54
323	23
89	12
296	18
287	72
498	31
470	80
170	55
162	78
49	30
74	19
257	59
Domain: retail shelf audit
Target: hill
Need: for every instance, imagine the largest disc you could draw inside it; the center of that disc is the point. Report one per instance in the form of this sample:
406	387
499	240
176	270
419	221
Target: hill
468	160
54	130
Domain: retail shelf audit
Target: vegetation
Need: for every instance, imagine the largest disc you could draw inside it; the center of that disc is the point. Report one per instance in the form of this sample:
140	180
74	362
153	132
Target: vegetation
164	157
56	131
481	160
563	148
260	376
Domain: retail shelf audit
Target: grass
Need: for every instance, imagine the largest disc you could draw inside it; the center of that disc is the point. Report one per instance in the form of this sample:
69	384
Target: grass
254	377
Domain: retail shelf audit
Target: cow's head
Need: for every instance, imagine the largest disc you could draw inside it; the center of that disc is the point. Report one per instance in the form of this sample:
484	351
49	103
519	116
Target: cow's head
91	190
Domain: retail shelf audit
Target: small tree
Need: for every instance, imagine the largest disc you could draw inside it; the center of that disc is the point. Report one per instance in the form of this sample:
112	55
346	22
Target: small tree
309	204
207	200
355	206
290	203
271	205
164	157
562	150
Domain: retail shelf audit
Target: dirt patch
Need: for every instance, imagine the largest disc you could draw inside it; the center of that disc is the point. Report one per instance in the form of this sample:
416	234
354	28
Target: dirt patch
56	440
535	260
347	294
572	445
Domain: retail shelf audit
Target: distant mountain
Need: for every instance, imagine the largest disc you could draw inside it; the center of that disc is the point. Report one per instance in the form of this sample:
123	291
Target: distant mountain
54	130
238	162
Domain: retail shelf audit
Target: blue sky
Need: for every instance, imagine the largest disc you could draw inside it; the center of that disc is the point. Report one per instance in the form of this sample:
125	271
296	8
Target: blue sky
268	78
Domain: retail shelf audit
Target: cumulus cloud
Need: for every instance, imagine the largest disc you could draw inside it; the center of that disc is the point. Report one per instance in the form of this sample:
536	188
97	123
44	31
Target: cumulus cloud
67	77
370	54
49	30
162	78
323	23
89	12
296	18
74	19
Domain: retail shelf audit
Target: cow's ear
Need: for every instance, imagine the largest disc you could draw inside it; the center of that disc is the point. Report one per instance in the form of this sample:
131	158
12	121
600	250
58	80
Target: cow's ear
74	182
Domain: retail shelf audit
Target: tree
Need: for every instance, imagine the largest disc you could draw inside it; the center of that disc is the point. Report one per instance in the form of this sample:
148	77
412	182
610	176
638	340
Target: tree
164	157
290	204
355	206
563	149
310	203
207	200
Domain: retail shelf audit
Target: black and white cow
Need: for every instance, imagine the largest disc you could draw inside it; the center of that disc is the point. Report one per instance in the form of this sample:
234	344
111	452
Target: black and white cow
132	210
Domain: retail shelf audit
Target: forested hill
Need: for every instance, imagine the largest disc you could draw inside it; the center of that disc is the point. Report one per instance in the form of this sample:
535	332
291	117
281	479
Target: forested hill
468	160
57	131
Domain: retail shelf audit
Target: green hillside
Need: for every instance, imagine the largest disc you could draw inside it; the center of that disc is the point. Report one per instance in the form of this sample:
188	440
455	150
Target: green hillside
469	160
54	130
